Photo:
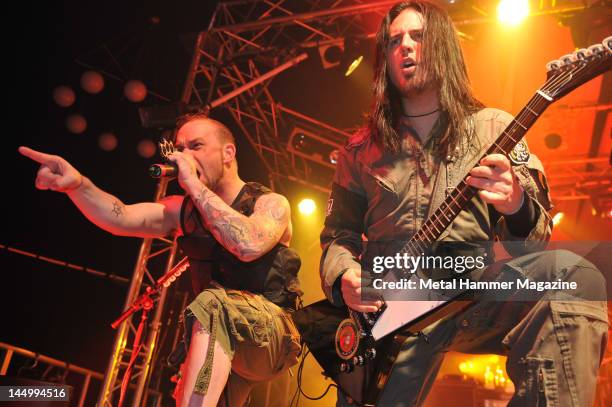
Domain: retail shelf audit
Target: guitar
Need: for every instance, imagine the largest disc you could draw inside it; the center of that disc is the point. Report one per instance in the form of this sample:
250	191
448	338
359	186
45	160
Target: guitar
357	350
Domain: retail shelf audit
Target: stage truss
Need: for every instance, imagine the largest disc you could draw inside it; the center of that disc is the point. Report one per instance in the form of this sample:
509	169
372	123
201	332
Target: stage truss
247	44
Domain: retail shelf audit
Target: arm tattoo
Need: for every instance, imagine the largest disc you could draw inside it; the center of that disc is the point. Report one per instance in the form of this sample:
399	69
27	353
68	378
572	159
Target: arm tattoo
118	208
246	237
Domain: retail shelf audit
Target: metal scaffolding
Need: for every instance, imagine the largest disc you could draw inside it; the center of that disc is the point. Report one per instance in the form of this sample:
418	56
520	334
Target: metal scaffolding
158	254
246	45
580	179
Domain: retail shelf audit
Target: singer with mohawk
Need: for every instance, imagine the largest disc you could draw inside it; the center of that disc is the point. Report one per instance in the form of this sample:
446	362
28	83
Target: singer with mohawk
238	329
427	131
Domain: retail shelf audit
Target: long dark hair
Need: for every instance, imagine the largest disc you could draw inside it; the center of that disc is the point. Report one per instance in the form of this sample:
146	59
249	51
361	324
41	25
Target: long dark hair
443	63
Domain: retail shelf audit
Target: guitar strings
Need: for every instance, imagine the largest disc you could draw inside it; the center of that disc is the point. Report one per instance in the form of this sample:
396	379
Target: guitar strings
462	191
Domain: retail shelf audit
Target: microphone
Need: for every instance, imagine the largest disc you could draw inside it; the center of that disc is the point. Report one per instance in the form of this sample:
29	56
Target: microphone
166	170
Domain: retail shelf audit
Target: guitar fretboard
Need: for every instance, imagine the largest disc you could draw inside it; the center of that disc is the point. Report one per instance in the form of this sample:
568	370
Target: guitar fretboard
458	198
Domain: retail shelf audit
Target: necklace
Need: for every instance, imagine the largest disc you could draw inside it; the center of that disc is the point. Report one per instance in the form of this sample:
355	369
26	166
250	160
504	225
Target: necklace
424	114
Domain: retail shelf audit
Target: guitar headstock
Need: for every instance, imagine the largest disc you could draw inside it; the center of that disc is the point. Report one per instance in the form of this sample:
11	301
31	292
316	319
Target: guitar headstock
572	70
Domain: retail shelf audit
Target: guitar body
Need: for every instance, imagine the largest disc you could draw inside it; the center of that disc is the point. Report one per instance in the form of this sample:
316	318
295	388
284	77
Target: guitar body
318	323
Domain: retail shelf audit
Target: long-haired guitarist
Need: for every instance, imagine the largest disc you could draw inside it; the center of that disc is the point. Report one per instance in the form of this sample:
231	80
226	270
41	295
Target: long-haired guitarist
425	132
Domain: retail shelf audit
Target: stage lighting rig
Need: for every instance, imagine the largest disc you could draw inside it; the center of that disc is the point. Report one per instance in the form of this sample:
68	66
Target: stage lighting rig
558	218
347	52
512	12
307	206
353	55
601	196
331	54
314	147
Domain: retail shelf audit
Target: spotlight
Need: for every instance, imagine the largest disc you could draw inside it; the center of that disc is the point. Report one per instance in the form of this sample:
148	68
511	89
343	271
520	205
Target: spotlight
347	53
353	55
135	91
107	141
552	141
307	206
76	123
301	143
146	148
314	147
353	65
558	218
331	54
607	214
512	12
92	82
64	96
333	156
601	202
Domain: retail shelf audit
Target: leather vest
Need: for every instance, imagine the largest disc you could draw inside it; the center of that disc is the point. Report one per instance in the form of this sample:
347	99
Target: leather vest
274	275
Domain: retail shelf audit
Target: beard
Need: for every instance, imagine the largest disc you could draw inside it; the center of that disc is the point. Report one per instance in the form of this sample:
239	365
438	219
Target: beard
414	83
212	180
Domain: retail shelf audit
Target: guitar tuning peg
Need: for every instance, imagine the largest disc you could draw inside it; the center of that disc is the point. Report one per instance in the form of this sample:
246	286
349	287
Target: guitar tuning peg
607	43
596	49
553	65
582	54
568	59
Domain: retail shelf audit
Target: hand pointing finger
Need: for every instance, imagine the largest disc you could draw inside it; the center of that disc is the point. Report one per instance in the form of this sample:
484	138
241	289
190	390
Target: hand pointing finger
37	156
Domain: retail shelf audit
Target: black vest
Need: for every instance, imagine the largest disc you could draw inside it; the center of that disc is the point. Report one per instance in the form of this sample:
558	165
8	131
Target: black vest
274	275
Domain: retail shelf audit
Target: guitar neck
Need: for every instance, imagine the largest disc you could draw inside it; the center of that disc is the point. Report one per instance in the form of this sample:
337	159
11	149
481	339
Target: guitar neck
564	75
458	198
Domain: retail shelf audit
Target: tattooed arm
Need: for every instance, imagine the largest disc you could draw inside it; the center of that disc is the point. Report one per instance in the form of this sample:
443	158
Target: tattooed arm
148	219
145	219
246	237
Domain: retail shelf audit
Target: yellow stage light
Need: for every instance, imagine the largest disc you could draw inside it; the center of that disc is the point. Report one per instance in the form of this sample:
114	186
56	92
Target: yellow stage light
307	206
512	12
557	218
353	66
486	369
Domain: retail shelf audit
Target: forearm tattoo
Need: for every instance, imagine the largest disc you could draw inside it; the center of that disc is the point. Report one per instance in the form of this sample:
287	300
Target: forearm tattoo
118	208
246	237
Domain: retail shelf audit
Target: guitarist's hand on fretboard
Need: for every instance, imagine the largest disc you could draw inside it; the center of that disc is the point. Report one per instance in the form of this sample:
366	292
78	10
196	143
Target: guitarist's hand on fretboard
351	287
497	183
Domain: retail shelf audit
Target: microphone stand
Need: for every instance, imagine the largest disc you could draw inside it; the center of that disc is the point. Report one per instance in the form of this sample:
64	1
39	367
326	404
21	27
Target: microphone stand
145	302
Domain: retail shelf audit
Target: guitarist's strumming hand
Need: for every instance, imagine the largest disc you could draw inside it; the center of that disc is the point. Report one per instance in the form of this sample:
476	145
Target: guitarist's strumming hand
497	183
351	286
